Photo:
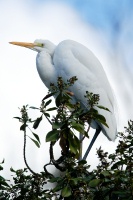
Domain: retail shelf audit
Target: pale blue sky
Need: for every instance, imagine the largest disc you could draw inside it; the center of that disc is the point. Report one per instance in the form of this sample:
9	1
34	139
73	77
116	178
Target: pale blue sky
106	15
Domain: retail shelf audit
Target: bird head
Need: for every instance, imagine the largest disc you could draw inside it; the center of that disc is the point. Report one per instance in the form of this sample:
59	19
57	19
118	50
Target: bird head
38	45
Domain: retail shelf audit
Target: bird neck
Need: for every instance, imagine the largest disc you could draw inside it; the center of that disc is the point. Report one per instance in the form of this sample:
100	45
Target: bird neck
45	67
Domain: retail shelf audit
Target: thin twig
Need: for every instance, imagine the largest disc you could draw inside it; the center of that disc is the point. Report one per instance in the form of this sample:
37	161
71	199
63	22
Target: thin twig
48	119
24	154
46	171
55	163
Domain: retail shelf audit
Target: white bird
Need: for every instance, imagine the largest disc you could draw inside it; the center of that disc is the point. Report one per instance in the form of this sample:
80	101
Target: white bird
68	59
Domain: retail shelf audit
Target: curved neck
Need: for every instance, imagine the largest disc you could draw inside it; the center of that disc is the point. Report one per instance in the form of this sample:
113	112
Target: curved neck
46	68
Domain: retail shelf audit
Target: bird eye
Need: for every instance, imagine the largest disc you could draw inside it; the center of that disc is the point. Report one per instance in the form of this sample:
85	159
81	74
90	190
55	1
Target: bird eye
40	45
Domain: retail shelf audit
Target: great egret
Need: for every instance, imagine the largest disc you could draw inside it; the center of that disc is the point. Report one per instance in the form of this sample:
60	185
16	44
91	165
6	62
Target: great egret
70	58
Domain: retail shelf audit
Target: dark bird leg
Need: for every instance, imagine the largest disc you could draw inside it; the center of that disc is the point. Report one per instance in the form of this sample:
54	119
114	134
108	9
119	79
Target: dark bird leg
81	146
92	142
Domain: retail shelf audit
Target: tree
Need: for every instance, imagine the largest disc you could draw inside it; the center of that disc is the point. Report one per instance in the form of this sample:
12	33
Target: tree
111	180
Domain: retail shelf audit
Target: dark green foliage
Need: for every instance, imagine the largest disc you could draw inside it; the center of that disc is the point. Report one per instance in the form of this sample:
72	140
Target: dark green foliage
111	180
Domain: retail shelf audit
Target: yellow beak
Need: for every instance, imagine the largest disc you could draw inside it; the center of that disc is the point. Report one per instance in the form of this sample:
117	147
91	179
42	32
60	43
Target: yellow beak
23	44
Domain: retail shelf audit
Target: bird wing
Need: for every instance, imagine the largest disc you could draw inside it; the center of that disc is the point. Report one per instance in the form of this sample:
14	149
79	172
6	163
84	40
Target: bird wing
73	59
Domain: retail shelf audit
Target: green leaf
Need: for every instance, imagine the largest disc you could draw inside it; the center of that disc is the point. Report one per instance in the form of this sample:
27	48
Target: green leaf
74	143
51	109
104	108
94	182
57	188
66	96
48	102
3	182
73	149
117	165
122	194
82	162
32	107
66	191
17	118
69	105
58	100
23	127
105	173
101	119
49	95
54	179
57	125
37	122
75	181
52	136
12	170
47	114
94	111
36	136
35	142
2	161
78	127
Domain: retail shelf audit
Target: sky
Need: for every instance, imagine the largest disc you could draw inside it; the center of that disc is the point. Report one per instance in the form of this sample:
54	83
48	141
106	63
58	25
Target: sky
87	22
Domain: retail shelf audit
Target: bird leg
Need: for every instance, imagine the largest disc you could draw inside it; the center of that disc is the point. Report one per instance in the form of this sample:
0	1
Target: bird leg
81	146
92	142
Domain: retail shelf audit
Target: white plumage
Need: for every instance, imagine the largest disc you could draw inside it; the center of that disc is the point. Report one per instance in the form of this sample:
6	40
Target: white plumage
68	59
